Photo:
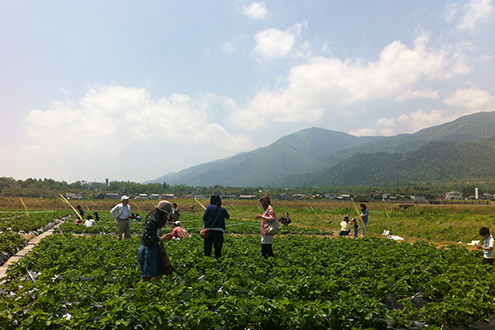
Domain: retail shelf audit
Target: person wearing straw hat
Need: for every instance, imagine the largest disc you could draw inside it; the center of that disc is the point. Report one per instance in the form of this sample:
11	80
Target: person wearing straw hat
122	214
152	255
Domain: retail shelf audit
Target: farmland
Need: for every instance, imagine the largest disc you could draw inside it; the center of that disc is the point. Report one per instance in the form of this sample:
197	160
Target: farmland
84	277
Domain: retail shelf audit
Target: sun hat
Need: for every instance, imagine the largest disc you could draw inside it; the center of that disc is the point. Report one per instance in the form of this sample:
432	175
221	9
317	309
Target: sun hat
165	206
124	197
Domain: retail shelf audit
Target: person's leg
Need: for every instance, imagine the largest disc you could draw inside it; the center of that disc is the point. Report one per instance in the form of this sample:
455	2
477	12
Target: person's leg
365	227
127	229
120	229
264	250
208	243
218	244
270	250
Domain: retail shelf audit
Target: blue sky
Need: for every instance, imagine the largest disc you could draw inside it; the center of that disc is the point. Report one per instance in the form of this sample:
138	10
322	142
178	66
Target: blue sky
132	90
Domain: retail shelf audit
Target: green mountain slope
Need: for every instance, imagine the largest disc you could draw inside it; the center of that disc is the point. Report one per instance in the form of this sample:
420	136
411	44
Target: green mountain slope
319	157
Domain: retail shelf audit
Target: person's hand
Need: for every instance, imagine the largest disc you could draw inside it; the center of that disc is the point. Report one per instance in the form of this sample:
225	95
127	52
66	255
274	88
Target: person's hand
478	246
257	216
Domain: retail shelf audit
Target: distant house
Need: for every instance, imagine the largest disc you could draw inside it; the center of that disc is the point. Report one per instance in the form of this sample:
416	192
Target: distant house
487	196
418	198
285	197
157	196
112	196
99	196
72	196
247	197
166	196
453	196
331	196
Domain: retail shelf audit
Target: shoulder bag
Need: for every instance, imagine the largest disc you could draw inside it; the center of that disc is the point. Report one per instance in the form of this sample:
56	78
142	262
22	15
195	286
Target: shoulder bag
271	228
206	231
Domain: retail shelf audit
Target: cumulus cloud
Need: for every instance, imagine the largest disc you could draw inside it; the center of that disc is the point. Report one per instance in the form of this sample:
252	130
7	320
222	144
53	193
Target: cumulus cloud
273	43
405	123
109	115
256	10
330	84
472	99
417	94
476	10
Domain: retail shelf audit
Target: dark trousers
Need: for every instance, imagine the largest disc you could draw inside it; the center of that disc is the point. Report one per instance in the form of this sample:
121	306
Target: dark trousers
214	239
266	250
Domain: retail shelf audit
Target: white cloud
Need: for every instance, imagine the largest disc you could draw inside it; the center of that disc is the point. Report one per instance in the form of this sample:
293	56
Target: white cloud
472	99
110	119
405	123
476	10
273	43
451	12
417	94
331	84
257	10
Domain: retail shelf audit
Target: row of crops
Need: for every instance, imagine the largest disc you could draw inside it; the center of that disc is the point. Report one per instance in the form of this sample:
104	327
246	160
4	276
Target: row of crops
77	282
92	281
13	223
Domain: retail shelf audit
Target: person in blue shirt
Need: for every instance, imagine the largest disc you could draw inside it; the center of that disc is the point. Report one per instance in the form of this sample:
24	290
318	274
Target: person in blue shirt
214	218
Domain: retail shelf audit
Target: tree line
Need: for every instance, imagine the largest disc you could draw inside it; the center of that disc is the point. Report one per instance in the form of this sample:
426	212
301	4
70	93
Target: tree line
49	188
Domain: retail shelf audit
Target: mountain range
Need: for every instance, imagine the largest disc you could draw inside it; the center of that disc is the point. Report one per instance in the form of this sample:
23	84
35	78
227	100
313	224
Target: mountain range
316	157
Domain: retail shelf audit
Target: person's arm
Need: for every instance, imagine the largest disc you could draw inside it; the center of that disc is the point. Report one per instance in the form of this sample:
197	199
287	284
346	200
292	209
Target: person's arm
489	247
206	215
226	213
115	212
271	215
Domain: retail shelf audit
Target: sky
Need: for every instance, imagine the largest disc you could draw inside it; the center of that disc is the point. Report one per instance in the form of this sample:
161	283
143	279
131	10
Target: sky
133	90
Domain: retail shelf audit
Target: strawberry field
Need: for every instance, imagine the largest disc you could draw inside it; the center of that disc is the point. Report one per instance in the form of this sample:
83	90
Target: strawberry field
91	281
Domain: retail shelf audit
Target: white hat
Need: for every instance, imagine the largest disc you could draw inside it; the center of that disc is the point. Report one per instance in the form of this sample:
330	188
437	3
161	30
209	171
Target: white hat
177	223
124	197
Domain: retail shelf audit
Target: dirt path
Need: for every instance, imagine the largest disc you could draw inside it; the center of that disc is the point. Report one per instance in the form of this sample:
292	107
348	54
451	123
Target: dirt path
19	254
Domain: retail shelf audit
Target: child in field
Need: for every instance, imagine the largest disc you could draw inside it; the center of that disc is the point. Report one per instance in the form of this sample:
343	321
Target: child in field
90	222
345	227
356	227
487	247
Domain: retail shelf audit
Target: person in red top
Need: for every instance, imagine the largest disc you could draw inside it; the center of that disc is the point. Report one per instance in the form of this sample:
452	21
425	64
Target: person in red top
268	216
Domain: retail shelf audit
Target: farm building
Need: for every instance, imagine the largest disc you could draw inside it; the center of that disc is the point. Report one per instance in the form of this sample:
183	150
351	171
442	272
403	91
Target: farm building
72	196
285	197
453	196
112	196
247	197
166	196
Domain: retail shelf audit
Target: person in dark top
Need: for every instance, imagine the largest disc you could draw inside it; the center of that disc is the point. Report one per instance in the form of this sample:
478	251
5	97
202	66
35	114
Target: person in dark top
150	261
214	218
80	211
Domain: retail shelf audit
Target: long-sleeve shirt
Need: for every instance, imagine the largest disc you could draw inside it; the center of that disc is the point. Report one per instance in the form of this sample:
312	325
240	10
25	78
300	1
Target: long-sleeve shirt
121	211
210	215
